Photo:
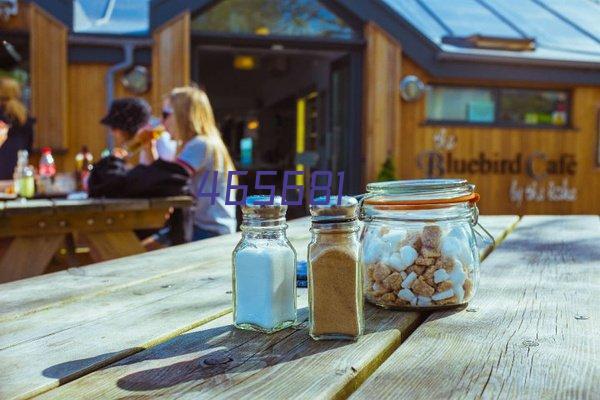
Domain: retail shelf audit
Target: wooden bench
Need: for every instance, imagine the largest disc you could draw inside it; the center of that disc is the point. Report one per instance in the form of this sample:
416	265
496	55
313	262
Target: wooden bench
159	324
32	231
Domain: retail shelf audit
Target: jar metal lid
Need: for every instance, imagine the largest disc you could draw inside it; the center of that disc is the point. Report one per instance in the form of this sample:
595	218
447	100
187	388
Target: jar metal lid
330	211
420	192
263	207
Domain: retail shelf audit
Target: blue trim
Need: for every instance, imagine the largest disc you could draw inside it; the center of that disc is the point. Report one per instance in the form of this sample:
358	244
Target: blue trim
59	9
162	11
106	54
415	45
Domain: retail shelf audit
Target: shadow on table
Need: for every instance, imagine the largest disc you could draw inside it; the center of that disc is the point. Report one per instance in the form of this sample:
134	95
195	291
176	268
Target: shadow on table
221	350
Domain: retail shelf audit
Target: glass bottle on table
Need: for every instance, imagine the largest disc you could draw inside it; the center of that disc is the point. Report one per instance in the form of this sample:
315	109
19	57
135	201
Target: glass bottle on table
83	165
335	295
46	171
23	176
264	269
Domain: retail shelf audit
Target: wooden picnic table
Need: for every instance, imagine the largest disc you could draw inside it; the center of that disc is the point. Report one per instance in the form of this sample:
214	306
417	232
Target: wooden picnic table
159	325
31	231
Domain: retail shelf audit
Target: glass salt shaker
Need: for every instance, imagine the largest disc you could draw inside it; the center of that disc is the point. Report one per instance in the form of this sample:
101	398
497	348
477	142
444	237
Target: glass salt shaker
335	280
264	269
418	246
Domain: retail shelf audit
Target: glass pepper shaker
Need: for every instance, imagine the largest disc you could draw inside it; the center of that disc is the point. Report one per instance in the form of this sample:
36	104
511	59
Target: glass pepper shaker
264	269
334	273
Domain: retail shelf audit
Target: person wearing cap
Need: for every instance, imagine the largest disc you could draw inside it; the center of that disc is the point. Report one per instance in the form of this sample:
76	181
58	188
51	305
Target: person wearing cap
113	177
128	117
125	118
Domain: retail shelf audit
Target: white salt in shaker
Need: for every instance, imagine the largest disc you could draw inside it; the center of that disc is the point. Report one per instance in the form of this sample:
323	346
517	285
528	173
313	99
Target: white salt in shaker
264	269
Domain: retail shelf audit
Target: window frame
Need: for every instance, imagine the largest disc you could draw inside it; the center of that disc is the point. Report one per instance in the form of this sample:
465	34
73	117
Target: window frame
354	24
496	96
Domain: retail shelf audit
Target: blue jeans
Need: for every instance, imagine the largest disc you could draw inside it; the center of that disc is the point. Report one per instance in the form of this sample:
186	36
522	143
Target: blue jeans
200	234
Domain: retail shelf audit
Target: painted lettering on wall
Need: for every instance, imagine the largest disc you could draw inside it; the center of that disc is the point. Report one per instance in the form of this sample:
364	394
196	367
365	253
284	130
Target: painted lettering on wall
536	165
548	176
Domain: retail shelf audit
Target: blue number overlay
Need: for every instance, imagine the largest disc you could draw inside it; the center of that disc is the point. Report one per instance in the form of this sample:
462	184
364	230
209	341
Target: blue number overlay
287	186
270	188
314	187
231	186
213	194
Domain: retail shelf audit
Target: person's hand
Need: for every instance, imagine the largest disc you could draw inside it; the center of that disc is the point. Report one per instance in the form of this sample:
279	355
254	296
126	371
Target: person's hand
146	137
4	127
119	153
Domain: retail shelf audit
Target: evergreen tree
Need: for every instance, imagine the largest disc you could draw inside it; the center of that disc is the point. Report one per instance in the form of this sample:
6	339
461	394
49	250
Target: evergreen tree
386	173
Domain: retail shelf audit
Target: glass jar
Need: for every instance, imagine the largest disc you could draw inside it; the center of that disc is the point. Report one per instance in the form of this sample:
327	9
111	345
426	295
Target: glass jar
335	295
418	245
264	269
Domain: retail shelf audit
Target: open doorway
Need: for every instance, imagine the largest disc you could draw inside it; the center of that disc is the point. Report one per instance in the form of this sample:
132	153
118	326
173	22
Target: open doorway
285	81
284	109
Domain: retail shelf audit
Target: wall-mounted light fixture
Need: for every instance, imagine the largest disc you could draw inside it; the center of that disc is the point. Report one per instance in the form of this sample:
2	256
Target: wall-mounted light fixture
137	80
411	88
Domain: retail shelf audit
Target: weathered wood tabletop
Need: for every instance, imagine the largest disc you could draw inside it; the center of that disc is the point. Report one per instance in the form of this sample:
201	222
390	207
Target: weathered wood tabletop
106	225
159	325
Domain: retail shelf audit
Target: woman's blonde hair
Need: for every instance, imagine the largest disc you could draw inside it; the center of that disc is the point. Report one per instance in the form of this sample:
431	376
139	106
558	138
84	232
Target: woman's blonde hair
194	116
10	98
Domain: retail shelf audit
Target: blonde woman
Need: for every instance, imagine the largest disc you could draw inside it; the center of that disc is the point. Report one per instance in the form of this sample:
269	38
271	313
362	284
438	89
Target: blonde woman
188	116
15	123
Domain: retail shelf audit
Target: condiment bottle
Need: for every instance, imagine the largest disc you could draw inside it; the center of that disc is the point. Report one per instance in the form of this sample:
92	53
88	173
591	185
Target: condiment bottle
83	165
335	293
264	269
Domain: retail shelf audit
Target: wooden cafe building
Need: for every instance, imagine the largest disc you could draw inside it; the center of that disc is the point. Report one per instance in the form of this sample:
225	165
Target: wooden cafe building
505	93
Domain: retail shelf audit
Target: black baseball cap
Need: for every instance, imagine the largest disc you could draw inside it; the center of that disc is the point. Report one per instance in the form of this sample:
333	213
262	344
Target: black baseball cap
128	114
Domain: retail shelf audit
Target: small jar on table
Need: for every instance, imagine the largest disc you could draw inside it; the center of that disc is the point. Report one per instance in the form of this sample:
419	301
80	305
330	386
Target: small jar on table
335	285
264	269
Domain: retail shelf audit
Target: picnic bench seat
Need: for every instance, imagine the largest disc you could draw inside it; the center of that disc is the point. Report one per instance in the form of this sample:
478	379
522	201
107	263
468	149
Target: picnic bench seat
160	324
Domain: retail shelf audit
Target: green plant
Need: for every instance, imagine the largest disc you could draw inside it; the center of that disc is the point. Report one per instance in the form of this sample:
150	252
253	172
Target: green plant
386	173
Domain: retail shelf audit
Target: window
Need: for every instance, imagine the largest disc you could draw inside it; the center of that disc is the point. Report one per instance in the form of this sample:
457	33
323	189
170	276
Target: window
273	17
533	107
498	106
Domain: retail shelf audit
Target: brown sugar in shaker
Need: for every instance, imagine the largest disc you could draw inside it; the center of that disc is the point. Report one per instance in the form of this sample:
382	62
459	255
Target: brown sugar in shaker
334	274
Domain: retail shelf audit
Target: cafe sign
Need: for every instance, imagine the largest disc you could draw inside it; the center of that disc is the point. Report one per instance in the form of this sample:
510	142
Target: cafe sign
548	176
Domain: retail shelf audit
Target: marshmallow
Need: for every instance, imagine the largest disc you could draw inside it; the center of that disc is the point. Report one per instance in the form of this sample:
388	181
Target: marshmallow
451	246
440	275
443	295
402	259
374	250
458	276
409	280
394	237
423	301
457	244
406	294
459	292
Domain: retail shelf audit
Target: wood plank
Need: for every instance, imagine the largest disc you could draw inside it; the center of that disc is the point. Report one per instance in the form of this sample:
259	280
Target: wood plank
48	40
175	202
62	333
28	256
286	365
24	297
532	329
43	351
170	57
34	223
111	245
19	298
382	105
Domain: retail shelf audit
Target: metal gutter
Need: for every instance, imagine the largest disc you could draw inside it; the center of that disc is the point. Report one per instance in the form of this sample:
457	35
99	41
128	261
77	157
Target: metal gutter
504	59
